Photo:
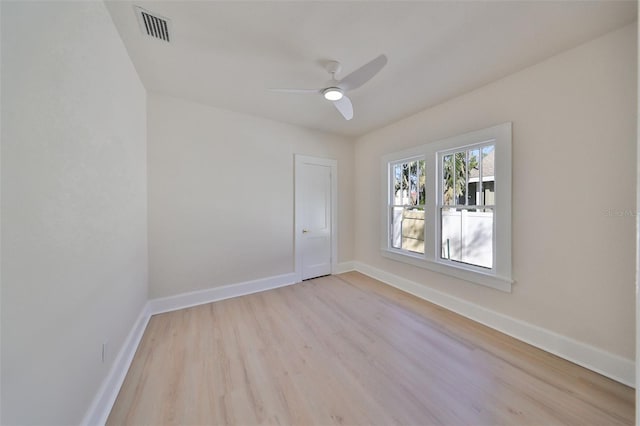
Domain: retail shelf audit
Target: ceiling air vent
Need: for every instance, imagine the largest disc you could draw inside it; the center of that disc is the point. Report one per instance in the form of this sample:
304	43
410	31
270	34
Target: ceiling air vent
153	25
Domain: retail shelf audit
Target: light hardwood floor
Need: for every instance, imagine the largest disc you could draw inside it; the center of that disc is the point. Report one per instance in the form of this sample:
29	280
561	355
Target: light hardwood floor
349	350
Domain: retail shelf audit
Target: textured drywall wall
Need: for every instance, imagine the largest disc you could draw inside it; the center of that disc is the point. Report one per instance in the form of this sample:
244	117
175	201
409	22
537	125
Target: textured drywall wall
74	254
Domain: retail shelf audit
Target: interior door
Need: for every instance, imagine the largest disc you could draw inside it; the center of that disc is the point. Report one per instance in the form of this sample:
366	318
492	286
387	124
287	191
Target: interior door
314	216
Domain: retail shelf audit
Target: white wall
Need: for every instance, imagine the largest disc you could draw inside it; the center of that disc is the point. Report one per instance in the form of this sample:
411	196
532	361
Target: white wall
221	195
574	158
74	254
637	336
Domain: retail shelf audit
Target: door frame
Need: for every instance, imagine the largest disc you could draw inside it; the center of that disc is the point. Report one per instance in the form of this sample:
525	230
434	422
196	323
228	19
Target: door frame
299	160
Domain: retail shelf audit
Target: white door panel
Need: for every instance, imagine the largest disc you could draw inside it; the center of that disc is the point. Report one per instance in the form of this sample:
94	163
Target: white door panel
314	216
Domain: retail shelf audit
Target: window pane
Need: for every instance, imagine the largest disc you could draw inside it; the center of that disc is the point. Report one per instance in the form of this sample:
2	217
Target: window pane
488	175
473	164
413	230
407	228
460	185
413	183
467	236
421	182
447	181
405	183
396	227
397	184
489	193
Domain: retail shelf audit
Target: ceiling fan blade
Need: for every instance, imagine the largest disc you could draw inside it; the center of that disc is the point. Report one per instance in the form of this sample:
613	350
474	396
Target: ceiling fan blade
302	91
345	107
363	74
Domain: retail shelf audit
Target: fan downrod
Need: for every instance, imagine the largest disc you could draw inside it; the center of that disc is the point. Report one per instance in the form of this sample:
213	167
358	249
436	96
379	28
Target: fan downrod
333	68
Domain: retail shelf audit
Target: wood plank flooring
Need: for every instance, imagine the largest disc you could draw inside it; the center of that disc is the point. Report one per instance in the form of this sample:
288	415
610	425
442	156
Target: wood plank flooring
349	350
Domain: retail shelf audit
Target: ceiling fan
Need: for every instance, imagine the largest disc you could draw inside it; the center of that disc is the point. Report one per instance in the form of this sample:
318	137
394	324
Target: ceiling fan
336	90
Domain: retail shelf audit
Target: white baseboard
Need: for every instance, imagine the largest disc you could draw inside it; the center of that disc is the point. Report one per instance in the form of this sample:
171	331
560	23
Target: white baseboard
106	396
343	267
598	360
194	298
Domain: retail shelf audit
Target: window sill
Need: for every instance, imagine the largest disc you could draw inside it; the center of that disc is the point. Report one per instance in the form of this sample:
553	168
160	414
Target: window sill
487	280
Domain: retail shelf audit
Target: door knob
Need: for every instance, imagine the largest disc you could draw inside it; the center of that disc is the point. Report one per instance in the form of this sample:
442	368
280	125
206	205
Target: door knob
304	231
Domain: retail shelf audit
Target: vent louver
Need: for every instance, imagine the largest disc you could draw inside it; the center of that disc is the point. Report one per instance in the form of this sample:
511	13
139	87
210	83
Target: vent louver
153	25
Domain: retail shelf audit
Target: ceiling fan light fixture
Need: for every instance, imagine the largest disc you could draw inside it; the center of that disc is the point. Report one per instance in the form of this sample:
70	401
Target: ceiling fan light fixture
333	94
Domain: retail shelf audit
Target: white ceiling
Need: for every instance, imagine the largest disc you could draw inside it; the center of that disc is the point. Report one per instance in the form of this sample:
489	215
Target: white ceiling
228	54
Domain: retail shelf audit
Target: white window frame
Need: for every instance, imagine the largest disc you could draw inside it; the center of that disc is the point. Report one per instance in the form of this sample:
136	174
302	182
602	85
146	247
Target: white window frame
499	277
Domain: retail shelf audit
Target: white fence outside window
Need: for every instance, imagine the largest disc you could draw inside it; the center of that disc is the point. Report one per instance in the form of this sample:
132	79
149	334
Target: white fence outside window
467	236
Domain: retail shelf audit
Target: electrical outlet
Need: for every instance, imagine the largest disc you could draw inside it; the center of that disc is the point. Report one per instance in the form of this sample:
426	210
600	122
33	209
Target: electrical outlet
105	346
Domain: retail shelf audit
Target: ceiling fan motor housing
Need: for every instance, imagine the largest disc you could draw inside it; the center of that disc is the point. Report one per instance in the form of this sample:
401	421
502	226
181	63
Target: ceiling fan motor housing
333	67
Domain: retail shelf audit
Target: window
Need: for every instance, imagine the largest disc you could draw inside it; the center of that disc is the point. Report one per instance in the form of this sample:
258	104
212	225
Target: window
448	206
406	205
466	205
